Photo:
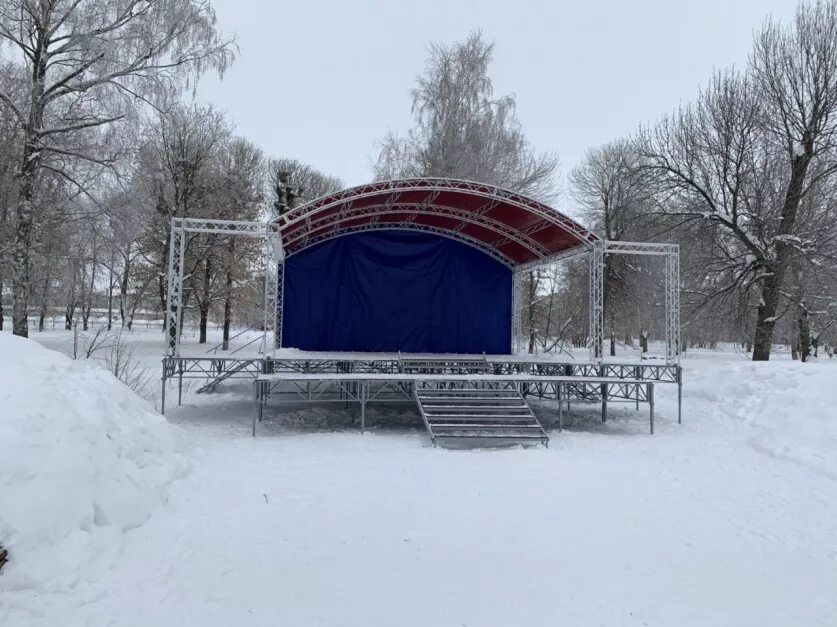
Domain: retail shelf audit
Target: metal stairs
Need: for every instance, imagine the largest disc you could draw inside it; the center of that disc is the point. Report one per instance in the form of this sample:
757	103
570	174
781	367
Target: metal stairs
210	387
479	417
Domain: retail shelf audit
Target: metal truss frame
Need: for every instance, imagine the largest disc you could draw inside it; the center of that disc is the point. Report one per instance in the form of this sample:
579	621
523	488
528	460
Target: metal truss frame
516	330
309	215
273	281
389	226
332	223
628	382
671	255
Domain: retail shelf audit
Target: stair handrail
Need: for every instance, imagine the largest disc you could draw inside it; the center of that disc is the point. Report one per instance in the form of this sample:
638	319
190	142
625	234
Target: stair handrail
255	339
215	348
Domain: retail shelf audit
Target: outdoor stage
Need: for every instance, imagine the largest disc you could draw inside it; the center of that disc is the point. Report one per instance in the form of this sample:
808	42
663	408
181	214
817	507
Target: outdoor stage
410	291
298	377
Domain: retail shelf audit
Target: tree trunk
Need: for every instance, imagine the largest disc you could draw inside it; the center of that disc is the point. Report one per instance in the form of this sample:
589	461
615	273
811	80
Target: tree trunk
22	247
772	284
87	306
44	301
123	291
228	295
207	298
21	259
766	318
110	290
1	300
804	332
204	317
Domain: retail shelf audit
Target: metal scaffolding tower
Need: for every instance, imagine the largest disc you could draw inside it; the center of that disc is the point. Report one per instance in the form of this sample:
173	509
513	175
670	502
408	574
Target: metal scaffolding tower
273	279
671	255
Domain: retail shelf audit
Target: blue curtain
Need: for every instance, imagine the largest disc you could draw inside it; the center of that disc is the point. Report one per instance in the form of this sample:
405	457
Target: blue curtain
396	290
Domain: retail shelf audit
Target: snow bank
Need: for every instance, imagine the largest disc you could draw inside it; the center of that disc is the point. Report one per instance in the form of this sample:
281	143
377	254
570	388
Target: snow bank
790	406
83	460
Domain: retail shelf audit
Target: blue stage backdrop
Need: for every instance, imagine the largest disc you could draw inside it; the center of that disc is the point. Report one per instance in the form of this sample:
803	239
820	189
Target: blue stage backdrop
396	290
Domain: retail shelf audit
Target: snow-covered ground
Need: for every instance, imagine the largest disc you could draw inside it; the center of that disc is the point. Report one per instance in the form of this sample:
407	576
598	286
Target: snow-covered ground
728	519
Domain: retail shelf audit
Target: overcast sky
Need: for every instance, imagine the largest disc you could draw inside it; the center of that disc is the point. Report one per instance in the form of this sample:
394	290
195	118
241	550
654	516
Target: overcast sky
323	81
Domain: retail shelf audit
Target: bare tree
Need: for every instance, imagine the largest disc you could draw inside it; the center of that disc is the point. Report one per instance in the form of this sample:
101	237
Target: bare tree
713	167
463	131
293	182
88	63
612	191
795	69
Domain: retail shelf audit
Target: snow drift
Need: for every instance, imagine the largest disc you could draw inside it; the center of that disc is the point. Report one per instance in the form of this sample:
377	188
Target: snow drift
83	460
788	405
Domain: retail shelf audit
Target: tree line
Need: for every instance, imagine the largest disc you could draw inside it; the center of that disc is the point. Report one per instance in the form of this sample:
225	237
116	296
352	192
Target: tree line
743	178
100	149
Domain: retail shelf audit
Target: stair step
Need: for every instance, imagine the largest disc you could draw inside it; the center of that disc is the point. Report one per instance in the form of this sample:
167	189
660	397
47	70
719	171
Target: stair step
480	425
500	436
508	408
470	399
466	418
467	393
431	417
478	414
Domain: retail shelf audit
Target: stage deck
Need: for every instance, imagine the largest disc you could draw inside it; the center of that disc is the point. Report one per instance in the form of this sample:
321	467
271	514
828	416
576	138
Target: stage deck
440	378
292	376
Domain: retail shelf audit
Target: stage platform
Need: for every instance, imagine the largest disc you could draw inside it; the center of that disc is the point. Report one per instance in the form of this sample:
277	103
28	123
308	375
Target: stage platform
294	377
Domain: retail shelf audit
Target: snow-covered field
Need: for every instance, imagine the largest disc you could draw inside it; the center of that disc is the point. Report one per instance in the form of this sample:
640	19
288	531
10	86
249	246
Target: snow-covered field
728	519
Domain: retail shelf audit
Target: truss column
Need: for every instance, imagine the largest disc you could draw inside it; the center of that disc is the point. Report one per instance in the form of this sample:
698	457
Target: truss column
597	299
672	306
177	250
280	302
273	286
515	317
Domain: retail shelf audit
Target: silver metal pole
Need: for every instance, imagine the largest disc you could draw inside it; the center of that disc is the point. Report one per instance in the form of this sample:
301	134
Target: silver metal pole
179	310
679	394
256	405
163	391
364	386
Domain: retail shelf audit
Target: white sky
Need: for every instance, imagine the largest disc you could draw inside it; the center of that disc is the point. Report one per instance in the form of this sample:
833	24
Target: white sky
323	81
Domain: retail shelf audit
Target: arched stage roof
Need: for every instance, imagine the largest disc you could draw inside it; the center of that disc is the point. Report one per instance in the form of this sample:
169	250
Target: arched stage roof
512	228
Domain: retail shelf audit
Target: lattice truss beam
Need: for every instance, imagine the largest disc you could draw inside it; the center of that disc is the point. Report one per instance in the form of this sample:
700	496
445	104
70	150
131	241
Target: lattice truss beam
597	251
317	221
671	255
181	228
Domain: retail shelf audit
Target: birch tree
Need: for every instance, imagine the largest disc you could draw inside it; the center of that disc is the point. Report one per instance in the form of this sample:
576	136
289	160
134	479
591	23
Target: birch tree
92	61
463	131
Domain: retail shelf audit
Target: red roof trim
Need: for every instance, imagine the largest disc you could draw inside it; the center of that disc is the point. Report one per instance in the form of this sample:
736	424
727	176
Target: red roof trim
511	227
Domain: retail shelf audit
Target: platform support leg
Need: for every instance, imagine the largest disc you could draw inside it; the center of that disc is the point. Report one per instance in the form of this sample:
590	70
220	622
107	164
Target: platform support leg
604	402
651	406
256	406
679	395
163	391
180	385
363	390
560	408
637	375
